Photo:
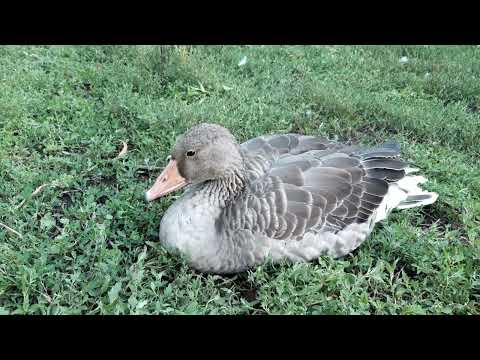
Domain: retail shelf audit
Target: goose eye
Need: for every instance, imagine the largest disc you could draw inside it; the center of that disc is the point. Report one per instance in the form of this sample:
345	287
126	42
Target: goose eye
190	153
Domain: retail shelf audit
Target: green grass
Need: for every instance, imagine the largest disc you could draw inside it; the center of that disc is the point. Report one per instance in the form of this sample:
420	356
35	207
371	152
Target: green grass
89	242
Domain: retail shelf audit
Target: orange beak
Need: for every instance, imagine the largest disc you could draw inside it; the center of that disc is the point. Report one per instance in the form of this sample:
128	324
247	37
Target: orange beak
168	181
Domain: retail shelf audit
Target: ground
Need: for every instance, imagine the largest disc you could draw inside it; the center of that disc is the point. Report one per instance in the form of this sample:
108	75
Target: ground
87	243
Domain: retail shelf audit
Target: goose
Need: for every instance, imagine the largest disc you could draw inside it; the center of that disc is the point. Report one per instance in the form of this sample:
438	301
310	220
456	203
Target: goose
283	197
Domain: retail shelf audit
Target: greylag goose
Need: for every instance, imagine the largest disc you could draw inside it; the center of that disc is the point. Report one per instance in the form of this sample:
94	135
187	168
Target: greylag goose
280	197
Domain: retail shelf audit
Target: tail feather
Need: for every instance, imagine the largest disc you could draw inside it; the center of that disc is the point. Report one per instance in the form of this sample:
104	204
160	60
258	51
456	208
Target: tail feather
411	201
404	191
404	194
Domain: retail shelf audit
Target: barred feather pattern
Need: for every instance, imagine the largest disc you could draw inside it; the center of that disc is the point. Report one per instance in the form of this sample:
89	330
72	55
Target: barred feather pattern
299	185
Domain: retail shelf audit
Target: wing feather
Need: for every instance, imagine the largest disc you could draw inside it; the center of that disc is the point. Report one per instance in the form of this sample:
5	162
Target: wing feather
306	183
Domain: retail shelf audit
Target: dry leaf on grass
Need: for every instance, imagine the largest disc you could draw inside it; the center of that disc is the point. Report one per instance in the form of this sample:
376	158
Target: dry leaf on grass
11	230
124	150
35	192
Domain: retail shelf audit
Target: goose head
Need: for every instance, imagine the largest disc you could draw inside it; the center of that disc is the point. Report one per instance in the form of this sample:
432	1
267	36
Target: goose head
204	153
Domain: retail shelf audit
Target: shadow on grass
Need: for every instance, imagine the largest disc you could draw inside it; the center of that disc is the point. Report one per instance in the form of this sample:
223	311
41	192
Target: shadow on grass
442	216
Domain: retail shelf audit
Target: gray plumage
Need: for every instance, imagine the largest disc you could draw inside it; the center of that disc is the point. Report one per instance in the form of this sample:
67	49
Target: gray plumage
286	196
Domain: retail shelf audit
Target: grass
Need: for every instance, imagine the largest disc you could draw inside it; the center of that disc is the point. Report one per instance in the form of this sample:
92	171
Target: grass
87	243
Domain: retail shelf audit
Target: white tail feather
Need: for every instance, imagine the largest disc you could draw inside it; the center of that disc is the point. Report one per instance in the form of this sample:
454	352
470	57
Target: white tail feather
410	170
398	193
430	200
